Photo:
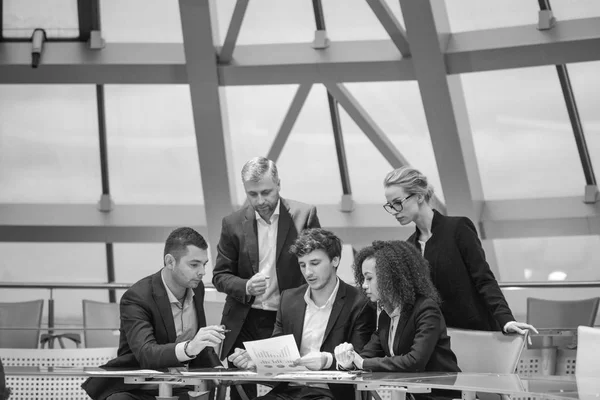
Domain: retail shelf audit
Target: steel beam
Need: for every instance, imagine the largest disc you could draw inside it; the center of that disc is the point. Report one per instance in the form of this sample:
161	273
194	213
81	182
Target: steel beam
373	132
500	219
226	53
445	107
391	25
288	121
360	61
212	139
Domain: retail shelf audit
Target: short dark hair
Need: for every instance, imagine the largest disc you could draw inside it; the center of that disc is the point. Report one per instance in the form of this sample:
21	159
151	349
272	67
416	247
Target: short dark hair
402	273
178	241
313	239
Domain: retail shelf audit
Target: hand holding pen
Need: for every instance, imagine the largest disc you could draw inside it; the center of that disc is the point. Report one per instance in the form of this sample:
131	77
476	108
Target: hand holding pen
206	337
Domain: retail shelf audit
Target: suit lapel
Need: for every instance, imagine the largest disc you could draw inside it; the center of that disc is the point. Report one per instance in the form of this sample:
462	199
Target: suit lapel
159	293
283	226
298	311
251	236
199	304
400	329
384	333
338	305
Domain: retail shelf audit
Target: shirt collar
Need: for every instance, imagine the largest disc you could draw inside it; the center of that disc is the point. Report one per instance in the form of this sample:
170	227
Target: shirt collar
189	294
329	301
395	313
434	223
275	212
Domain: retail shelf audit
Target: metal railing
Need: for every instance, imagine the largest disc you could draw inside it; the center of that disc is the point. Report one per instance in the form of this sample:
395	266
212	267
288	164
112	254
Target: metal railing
51	286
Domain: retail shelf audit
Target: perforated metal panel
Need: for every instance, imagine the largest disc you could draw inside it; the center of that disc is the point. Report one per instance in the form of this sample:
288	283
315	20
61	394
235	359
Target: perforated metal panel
56	388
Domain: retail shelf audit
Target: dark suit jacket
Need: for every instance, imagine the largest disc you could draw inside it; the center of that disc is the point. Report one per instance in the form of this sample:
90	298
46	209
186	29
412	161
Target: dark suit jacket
148	336
471	297
237	259
421	343
352	320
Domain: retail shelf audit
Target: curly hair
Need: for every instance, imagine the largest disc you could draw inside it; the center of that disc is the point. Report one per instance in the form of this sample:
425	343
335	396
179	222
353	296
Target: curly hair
313	239
402	273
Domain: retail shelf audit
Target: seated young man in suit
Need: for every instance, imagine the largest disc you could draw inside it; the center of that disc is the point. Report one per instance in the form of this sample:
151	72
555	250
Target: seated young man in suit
163	323
320	314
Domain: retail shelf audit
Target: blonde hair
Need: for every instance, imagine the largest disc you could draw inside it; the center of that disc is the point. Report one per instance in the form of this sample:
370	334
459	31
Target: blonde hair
411	180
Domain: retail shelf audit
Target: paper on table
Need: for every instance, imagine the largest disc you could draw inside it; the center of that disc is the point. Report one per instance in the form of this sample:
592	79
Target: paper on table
311	375
134	372
274	355
220	373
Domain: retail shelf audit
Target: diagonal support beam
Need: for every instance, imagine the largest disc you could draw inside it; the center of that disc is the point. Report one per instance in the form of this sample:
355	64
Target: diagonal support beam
212	137
288	122
226	54
391	24
445	107
370	128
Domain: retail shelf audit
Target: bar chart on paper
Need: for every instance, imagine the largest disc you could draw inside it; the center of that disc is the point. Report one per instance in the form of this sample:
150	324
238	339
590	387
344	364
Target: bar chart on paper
274	355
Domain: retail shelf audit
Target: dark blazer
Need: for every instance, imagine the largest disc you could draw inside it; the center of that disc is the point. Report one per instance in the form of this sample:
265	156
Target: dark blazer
471	297
421	343
352	320
237	259
148	336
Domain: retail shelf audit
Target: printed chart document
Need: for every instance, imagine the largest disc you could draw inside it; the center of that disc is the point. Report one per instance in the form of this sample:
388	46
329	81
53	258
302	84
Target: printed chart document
275	355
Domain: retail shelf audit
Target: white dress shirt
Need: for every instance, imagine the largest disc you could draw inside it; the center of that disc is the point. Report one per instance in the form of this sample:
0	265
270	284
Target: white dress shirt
395	317
185	319
267	257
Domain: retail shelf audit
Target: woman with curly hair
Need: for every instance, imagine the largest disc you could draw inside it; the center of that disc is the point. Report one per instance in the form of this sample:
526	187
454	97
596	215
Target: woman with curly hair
411	334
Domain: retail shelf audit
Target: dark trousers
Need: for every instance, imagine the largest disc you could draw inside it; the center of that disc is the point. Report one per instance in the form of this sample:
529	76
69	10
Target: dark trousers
258	325
288	392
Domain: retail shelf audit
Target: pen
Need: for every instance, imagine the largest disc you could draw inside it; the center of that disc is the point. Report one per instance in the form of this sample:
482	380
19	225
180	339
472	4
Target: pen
225	331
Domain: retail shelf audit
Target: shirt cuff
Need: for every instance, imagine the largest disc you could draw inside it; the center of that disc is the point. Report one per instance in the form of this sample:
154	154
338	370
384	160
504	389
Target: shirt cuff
329	360
247	290
180	353
358	361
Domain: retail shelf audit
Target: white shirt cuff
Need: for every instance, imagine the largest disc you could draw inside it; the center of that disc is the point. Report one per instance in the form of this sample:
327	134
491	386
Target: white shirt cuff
180	353
329	360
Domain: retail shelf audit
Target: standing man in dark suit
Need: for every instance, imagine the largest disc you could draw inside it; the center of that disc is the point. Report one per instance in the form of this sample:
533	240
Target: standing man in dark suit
253	263
321	314
163	323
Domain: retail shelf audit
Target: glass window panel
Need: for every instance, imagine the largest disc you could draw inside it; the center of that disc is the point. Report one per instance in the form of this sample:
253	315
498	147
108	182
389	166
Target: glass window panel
54	262
49	144
397	109
573	258
522	134
153	158
134	261
141	21
255	114
586	87
567	9
354	20
58	18
271	21
470	15
308	165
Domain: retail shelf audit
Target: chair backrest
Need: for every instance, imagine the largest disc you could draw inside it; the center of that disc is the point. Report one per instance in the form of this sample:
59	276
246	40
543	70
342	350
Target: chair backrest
482	351
26	314
100	324
56	388
587	362
543	313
